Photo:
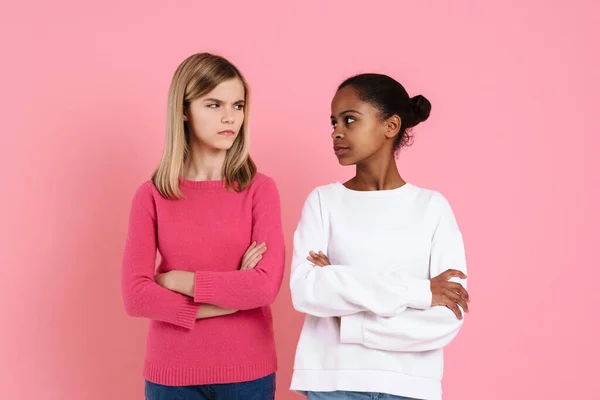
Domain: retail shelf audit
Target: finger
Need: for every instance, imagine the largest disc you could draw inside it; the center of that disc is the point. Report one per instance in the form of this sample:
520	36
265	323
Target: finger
255	261
452	306
258	250
247	264
252	262
251	253
322	260
248	250
458	300
315	261
313	256
453	273
458	288
254	246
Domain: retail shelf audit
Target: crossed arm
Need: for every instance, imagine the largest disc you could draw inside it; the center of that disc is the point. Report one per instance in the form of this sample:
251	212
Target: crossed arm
181	297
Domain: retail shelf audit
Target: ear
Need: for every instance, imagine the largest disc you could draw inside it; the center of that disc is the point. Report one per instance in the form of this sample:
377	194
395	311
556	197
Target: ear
185	117
392	126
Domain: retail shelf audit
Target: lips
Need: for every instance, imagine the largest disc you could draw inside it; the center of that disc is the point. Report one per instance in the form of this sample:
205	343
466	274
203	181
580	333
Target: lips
339	149
227	133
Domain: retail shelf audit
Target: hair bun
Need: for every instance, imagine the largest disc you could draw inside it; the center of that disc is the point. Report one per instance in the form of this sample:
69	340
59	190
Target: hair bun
421	108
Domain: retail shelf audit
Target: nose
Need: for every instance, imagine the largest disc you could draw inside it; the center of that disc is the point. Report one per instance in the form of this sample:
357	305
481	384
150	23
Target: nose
228	117
336	134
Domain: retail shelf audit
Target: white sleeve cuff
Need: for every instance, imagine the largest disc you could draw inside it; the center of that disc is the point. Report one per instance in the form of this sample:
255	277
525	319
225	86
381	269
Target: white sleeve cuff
351	328
418	293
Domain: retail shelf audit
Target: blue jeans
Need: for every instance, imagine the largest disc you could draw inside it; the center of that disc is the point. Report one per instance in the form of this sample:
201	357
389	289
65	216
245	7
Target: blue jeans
343	395
259	389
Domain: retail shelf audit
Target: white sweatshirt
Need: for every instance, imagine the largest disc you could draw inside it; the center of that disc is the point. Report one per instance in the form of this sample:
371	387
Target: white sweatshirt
384	246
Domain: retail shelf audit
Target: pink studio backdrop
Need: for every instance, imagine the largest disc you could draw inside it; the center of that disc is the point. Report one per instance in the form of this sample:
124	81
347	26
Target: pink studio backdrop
512	142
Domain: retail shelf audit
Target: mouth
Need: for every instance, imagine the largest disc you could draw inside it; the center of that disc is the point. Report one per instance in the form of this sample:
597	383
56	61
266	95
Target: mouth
227	133
339	150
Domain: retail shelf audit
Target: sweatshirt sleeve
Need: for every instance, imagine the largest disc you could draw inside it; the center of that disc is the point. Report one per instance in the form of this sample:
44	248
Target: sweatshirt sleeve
258	287
142	296
417	330
337	290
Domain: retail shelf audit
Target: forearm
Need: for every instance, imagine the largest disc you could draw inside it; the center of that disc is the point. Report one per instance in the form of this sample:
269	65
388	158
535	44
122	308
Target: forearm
411	331
177	281
238	290
210	311
144	298
337	290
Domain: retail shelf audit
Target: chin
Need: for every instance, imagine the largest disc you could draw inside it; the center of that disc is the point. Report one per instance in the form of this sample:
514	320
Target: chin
223	144
344	161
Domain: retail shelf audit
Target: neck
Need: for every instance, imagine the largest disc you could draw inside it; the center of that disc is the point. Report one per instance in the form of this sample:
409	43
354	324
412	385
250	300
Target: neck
204	164
381	173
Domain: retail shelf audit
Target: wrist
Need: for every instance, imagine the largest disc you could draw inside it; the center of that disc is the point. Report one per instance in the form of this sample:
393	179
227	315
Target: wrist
182	282
186	284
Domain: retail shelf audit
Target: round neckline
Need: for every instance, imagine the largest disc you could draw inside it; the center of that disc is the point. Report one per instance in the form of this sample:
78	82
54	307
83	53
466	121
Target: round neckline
375	193
215	184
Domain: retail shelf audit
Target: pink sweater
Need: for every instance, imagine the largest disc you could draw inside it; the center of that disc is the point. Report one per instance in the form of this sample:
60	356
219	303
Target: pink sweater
206	232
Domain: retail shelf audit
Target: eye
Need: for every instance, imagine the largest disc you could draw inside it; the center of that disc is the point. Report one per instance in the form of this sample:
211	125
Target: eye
239	106
349	120
333	123
213	105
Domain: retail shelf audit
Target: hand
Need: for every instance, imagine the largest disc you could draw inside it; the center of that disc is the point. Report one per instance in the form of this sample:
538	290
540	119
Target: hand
177	281
319	259
450	294
253	255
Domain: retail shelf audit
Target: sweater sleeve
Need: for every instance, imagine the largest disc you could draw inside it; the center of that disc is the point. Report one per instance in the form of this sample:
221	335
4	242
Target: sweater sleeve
142	296
337	290
258	287
417	330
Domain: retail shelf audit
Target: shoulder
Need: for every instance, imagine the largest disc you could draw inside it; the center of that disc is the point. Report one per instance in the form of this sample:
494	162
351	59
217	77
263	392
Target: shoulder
145	192
330	189
324	194
144	197
264	187
147	188
432	198
435	203
262	179
262	182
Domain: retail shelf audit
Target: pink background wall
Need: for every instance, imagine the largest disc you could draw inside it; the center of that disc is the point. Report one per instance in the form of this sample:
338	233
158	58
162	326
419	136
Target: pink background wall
513	142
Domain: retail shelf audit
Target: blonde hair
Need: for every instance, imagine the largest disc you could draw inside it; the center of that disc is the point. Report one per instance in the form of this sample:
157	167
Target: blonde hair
195	77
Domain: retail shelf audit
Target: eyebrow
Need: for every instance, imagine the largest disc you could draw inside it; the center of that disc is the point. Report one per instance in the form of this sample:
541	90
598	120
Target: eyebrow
221	101
348	112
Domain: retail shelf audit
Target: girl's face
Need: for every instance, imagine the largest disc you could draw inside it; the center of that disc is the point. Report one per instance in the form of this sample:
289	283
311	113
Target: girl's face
214	120
359	133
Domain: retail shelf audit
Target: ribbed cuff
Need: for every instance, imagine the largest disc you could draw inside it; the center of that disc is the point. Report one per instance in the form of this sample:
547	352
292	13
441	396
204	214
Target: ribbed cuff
351	328
418	294
204	287
186	315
